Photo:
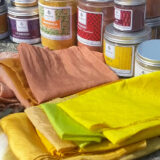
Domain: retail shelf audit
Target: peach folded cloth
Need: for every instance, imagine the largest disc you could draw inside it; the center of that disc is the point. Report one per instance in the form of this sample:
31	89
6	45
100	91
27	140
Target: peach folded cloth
52	74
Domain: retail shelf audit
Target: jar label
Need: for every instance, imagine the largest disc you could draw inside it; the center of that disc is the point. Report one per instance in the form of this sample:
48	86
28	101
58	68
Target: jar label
139	70
24	1
90	27
24	28
123	19
119	58
56	22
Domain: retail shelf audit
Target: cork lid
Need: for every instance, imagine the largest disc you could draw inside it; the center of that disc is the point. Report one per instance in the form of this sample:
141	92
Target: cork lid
130	2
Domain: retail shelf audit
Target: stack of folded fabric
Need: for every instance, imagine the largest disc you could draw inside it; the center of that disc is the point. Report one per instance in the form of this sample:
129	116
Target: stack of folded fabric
8	101
119	121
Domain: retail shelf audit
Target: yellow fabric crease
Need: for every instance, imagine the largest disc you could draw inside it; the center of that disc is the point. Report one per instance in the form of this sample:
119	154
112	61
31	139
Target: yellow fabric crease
121	110
152	146
22	137
111	155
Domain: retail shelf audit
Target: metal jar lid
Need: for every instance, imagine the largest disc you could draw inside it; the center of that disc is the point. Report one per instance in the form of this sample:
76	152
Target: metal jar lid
99	1
119	37
148	53
130	2
19	11
3	8
154	22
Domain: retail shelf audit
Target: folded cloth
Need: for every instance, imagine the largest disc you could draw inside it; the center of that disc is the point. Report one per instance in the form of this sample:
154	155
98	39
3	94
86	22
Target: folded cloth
22	137
113	155
42	124
67	128
118	109
5	91
52	74
5	151
152	146
14	78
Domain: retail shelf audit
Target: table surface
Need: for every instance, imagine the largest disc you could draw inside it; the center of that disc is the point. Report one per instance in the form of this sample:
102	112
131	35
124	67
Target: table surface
7	46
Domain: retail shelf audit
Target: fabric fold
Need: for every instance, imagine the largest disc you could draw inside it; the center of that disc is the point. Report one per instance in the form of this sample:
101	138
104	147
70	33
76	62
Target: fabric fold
67	128
120	110
22	137
53	74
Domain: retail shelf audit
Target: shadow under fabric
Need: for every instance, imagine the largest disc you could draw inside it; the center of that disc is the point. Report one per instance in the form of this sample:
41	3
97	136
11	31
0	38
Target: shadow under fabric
120	110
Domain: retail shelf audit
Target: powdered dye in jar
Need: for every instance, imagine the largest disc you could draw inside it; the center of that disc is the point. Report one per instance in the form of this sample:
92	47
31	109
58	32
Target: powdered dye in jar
3	22
129	15
24	24
93	16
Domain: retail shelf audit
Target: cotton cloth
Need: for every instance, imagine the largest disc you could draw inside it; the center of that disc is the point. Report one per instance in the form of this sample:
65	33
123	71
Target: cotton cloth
120	110
22	137
52	74
152	146
113	155
67	128
43	125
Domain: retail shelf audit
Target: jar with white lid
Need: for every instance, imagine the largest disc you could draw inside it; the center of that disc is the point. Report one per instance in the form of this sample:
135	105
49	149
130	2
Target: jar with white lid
24	24
3	22
129	15
93	16
120	47
147	57
155	25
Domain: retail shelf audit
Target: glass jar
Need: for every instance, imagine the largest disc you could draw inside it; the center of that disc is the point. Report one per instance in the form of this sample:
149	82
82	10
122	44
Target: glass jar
93	16
3	22
155	25
24	3
147	57
24	24
129	15
2	2
152	8
119	49
58	19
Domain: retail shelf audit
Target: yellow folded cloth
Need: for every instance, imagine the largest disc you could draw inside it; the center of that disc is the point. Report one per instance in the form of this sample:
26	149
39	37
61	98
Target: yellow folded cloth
152	146
22	137
42	124
120	110
5	151
113	155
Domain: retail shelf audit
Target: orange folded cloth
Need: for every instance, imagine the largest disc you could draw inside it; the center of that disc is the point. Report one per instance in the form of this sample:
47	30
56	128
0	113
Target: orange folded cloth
60	73
5	91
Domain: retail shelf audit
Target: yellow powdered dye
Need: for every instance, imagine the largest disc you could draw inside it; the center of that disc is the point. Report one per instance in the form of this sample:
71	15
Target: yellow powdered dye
58	23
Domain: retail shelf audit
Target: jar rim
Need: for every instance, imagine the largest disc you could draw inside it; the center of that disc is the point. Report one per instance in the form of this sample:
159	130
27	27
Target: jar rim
154	22
149	59
119	37
3	8
19	11
130	2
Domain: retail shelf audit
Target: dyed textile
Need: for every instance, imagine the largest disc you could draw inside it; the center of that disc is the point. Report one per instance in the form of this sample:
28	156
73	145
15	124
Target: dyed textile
52	74
152	146
67	128
111	155
22	137
42	124
5	151
120	110
5	91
